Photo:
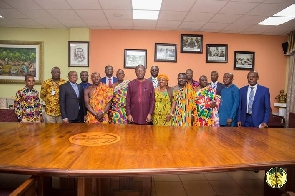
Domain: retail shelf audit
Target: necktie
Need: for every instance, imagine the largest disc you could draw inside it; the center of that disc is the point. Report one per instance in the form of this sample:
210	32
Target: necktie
76	89
110	82
155	82
251	99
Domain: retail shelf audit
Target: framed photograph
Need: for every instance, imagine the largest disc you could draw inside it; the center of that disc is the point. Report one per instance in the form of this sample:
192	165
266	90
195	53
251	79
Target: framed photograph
216	53
191	43
244	60
134	57
78	54
18	58
165	52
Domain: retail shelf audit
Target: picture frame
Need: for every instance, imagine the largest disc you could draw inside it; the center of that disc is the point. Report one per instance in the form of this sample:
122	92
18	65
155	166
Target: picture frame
78	54
244	60
191	43
135	57
216	53
18	58
165	52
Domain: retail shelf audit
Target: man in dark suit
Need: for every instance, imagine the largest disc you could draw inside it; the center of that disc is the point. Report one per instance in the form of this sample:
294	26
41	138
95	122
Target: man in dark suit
215	84
109	79
154	74
71	100
254	108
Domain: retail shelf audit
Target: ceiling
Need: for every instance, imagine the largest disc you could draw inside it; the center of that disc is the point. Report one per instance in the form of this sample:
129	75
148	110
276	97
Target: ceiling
224	16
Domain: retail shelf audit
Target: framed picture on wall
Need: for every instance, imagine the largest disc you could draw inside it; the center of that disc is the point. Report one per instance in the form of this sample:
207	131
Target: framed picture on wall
78	54
134	57
191	43
165	52
18	58
216	53
244	60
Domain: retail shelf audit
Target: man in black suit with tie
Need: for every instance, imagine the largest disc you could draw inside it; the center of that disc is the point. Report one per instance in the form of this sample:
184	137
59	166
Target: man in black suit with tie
215	84
71	100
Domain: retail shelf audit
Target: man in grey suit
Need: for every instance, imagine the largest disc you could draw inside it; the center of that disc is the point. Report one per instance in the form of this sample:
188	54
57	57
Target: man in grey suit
154	73
71	100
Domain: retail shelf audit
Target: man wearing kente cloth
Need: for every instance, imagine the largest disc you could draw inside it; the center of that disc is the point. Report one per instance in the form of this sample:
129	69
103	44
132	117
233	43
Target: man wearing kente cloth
97	100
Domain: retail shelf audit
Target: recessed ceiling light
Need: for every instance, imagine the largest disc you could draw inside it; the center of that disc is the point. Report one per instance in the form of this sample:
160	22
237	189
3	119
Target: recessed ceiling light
276	20
1	16
146	5
289	11
145	14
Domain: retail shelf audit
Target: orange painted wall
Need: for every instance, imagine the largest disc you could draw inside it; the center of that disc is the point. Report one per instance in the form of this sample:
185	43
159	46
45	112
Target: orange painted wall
107	47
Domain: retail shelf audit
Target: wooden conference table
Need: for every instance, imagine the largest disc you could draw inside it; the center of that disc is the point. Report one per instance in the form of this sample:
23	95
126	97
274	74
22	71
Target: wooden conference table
92	150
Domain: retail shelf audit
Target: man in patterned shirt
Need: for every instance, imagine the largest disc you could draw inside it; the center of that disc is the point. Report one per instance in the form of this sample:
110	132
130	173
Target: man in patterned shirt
27	103
50	95
190	74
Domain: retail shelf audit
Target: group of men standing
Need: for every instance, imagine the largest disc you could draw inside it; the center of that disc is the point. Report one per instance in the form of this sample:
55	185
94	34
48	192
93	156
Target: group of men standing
68	102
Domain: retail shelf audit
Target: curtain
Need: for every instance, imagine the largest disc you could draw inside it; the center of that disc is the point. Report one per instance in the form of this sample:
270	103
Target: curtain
291	43
291	89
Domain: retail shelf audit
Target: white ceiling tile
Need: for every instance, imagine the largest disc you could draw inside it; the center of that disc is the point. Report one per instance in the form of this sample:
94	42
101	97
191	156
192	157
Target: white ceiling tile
53	4
175	5
238	27
192	25
211	30
144	27
85	4
118	14
95	27
96	23
72	23
36	27
64	14
122	27
123	23
224	18
143	23
170	15
48	22
169	24
91	14
197	16
52	26
214	26
165	28
208	6
238	7
5	21
265	9
257	29
121	4
246	19
24	4
11	13
36	13
4	5
25	22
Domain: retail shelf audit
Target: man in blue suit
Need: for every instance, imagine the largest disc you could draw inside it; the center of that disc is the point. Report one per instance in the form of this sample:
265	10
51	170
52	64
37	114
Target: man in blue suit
254	108
109	79
215	84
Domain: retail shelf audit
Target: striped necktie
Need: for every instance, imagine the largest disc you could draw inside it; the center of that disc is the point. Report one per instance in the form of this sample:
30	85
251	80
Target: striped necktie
251	99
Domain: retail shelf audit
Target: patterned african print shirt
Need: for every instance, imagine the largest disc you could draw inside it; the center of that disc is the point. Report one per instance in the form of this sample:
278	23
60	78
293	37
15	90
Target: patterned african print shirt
98	100
27	105
50	94
194	84
185	106
207	116
118	106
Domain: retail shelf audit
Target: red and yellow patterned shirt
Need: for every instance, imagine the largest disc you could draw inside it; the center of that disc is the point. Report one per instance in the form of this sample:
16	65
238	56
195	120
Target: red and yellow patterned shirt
50	94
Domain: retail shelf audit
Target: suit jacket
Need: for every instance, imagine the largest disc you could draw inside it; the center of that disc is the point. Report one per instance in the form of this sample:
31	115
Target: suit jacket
104	80
219	87
150	79
71	106
260	107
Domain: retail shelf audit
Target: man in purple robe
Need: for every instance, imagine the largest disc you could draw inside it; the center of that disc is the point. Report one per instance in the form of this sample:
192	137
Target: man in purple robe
140	101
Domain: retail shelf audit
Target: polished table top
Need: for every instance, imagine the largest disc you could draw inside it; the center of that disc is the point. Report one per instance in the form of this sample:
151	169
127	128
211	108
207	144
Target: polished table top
45	149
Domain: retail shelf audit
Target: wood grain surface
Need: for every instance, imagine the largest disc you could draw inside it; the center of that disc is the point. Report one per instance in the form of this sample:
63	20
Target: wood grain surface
45	149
